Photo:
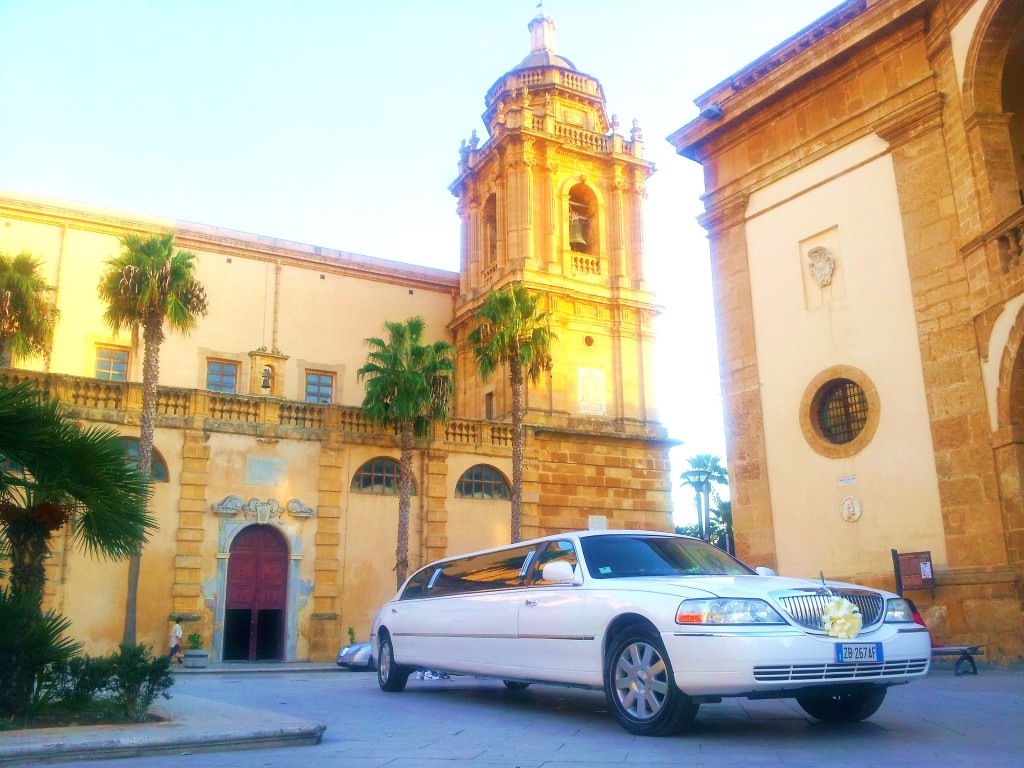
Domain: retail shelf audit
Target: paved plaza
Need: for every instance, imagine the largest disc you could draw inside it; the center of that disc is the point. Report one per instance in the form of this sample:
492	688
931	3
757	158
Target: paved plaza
939	721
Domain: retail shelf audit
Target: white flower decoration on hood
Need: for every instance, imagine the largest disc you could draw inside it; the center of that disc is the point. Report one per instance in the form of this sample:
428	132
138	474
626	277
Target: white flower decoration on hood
841	619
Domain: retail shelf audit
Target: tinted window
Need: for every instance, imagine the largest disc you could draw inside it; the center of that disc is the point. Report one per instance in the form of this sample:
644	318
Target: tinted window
555	552
417	586
616	557
493	570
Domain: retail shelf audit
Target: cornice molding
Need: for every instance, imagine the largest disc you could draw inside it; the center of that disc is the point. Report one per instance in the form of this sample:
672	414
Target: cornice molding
226	242
919	117
724	214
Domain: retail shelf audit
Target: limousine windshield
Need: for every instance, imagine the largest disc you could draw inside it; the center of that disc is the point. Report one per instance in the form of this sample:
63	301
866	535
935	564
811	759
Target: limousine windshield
625	556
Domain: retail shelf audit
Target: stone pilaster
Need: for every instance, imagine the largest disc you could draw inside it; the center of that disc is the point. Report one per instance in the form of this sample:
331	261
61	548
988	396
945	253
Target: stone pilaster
193	512
435	490
741	388
325	626
961	433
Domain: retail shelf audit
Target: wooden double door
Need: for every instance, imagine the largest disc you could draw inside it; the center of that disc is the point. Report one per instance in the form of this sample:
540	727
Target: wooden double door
257	594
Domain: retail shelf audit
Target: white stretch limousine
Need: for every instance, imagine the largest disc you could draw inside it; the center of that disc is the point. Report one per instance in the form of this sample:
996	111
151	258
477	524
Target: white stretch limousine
662	623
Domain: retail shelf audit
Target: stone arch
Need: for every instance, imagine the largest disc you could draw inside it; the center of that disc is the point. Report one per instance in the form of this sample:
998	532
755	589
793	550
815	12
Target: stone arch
1008	442
986	57
994	108
1010	393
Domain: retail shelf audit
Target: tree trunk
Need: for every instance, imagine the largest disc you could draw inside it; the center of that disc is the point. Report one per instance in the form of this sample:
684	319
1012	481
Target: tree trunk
518	441
407	437
29	545
153	336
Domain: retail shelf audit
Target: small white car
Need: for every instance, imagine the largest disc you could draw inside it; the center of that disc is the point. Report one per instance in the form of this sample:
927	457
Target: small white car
356	656
662	623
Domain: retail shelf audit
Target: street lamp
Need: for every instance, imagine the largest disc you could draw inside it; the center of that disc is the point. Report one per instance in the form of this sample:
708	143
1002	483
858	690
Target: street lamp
700	481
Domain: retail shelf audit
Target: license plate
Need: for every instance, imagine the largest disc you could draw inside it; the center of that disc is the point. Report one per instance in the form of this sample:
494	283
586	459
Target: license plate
852	653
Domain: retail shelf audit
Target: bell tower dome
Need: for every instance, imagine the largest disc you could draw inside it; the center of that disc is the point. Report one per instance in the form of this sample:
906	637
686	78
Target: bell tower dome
553	199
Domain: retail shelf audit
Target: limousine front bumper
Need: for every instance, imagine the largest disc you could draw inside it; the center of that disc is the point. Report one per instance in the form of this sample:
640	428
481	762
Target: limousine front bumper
740	663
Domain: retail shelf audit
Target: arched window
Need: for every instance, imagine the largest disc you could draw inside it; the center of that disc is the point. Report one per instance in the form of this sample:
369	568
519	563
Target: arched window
378	475
158	467
483	482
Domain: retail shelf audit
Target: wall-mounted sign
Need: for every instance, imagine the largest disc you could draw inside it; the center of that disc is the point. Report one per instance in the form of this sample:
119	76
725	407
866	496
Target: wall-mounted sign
591	392
261	470
913	570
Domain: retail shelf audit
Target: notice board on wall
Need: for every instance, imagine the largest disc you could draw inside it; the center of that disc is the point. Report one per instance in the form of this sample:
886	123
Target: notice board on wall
913	570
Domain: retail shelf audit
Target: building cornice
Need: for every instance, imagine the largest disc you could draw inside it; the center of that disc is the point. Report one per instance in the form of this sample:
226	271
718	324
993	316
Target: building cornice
199	237
828	43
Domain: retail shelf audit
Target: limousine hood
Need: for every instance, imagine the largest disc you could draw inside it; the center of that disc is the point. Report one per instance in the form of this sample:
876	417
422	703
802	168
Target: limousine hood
719	586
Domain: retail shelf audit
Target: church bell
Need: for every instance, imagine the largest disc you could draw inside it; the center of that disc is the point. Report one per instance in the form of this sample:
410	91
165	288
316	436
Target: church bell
578	232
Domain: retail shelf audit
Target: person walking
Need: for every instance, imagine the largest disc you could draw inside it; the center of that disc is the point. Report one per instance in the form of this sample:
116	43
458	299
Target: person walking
176	633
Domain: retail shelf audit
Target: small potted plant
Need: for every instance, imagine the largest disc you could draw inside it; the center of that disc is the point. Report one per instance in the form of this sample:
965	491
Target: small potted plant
195	655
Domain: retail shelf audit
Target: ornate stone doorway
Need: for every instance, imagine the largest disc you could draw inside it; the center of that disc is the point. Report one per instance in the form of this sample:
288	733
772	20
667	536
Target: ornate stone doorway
256	596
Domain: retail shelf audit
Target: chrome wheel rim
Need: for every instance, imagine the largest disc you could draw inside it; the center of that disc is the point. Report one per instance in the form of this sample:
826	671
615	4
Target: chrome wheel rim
641	680
385	661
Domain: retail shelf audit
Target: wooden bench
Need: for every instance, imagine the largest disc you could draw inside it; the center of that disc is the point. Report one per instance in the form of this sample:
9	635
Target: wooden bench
965	657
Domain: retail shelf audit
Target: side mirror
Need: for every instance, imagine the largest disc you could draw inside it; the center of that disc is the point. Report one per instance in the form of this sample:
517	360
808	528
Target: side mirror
560	573
762	571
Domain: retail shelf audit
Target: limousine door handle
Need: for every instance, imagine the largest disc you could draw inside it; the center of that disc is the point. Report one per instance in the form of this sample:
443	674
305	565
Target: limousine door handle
529	603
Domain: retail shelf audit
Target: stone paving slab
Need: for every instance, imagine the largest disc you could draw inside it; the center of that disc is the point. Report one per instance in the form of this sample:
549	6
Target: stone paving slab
193	724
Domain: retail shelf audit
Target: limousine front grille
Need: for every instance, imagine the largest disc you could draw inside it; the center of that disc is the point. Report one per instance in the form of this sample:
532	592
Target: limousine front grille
793	673
807	608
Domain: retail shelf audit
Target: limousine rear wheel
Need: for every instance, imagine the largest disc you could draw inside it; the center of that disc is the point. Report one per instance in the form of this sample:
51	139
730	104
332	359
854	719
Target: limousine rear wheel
391	677
640	686
838	706
515	685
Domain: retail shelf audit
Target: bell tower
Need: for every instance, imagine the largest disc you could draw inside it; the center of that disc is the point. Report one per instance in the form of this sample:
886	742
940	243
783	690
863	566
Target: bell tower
553	199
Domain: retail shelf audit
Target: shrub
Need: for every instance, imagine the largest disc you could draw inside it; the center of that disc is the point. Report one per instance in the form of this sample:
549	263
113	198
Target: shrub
195	642
29	642
76	682
137	678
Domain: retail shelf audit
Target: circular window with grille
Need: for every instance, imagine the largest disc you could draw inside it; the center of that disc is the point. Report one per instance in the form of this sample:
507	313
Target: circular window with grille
839	411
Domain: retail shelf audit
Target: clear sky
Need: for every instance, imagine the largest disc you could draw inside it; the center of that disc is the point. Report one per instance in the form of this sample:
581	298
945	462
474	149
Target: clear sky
337	123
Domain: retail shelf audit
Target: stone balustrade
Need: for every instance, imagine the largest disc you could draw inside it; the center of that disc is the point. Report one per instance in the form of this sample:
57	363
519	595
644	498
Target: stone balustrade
1010	238
120	402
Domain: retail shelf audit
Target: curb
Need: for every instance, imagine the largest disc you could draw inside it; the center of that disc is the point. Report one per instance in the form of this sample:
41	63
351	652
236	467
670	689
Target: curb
192	725
137	746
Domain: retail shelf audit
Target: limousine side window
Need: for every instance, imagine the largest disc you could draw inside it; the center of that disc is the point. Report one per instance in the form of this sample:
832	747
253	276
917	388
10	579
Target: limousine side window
506	569
417	586
561	551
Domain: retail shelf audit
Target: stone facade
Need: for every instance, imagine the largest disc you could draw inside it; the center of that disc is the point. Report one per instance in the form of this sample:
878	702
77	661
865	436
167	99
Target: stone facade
262	455
890	131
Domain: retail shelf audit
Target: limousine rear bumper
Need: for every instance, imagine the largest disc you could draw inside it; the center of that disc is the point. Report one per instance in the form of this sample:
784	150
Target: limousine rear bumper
744	664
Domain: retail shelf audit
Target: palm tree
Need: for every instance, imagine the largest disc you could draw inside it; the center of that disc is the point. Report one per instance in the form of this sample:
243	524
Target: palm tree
53	471
147	285
409	384
513	331
28	314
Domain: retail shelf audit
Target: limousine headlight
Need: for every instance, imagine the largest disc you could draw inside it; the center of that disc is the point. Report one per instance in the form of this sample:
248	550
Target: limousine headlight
727	611
897	611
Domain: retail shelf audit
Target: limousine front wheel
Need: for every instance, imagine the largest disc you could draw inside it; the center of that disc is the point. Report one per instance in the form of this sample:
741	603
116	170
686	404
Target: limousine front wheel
391	677
640	687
